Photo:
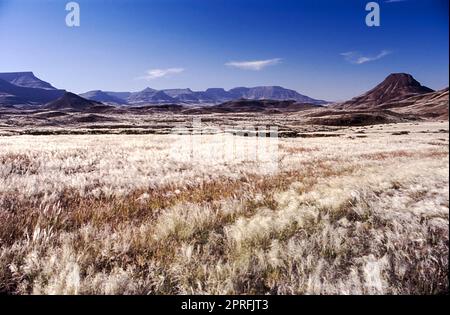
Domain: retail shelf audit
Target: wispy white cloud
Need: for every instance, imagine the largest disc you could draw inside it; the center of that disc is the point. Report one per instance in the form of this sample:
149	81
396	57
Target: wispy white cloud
391	1
254	65
160	73
356	57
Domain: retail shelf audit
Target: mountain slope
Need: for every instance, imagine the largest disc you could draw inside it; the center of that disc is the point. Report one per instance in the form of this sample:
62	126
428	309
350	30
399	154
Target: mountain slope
183	95
431	105
150	96
70	101
272	93
121	95
11	94
26	79
218	95
396	86
177	92
103	97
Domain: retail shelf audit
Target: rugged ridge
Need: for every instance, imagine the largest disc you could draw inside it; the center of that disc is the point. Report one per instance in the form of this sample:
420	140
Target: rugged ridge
211	96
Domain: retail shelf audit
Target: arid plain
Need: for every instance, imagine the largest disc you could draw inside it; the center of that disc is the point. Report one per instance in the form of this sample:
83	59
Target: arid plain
239	149
361	210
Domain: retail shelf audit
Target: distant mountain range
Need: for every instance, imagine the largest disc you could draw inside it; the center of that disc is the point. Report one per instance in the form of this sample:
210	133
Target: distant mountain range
210	96
399	95
24	88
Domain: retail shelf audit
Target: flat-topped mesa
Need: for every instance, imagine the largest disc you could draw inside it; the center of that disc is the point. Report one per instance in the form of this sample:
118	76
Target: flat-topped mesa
26	79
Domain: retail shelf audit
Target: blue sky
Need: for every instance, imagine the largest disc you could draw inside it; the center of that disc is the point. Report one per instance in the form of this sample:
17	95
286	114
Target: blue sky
320	48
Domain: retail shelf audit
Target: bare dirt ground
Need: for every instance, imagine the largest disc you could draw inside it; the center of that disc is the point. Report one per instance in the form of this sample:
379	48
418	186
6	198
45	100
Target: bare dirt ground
361	210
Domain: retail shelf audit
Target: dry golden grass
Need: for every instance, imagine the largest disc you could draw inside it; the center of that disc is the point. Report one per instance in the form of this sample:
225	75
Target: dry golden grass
117	214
